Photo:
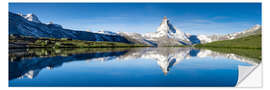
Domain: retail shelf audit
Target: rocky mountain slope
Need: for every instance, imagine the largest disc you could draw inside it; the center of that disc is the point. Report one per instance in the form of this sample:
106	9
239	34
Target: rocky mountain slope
257	29
29	25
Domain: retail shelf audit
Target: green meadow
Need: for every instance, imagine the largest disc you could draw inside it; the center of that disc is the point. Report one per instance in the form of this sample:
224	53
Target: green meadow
249	46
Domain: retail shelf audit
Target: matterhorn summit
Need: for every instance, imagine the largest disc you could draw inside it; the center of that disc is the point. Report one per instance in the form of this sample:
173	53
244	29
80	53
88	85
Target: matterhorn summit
168	34
164	26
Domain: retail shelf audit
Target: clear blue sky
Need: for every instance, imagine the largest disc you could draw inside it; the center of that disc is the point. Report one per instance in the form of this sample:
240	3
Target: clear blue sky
195	18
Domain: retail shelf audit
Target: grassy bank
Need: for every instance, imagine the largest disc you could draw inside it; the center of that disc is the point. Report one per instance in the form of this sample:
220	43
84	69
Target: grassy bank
249	46
32	42
249	42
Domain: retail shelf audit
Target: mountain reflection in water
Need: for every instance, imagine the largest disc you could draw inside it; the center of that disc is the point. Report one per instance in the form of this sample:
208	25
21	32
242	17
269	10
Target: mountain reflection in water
28	63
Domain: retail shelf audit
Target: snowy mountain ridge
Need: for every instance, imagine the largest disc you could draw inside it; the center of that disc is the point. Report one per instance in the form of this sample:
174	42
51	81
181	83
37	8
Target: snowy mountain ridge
29	25
210	38
31	17
166	34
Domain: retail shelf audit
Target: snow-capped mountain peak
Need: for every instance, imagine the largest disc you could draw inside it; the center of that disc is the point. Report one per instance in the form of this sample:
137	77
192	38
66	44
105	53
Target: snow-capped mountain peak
164	26
31	17
168	31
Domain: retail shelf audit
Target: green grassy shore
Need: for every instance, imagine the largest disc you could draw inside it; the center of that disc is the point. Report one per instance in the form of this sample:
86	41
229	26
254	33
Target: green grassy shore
32	42
249	46
249	42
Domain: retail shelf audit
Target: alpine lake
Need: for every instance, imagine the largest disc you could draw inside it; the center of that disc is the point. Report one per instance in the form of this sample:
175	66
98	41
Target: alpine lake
128	67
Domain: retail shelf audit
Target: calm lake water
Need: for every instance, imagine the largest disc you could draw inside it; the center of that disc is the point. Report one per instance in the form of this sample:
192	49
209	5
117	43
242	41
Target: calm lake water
126	67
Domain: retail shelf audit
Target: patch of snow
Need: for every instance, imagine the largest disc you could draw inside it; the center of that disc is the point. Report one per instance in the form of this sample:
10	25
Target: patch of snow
204	38
31	17
107	32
